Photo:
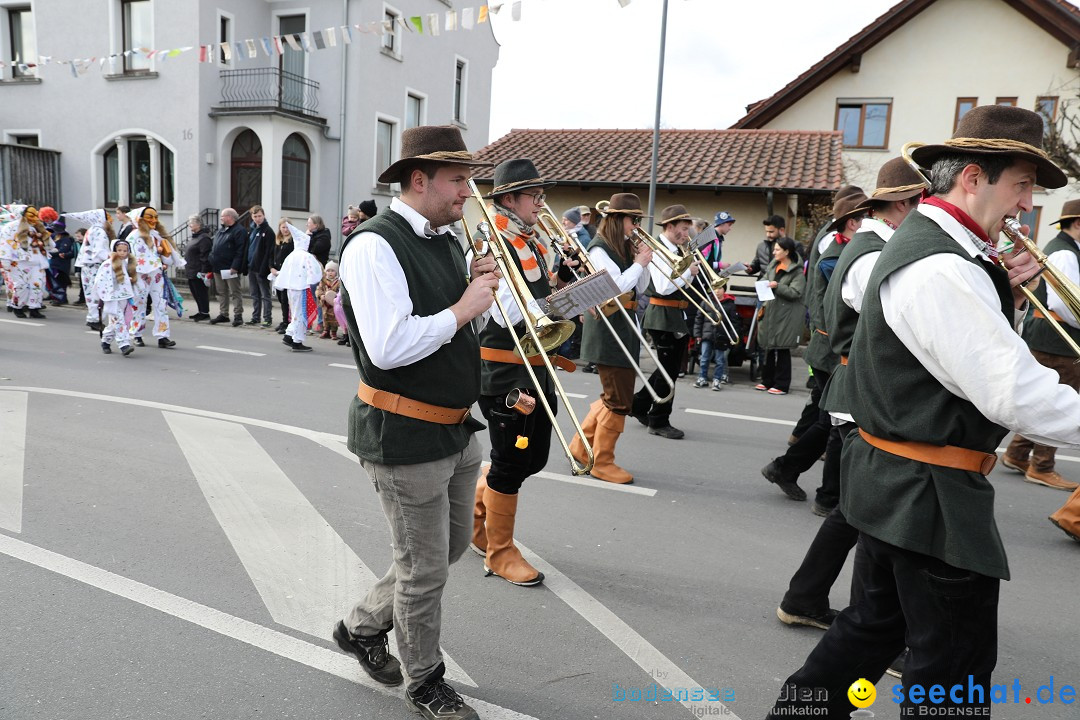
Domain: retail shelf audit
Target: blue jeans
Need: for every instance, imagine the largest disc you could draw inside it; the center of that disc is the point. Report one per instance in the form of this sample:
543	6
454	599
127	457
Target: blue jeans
717	354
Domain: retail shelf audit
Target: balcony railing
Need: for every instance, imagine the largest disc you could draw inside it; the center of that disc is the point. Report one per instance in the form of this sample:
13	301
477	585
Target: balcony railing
269	88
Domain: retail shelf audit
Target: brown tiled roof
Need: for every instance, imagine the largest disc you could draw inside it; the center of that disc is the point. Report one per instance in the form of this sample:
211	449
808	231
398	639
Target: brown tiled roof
806	160
1058	18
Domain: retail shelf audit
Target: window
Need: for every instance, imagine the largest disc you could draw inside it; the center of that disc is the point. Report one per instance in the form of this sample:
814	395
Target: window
295	173
139	171
28	140
1047	107
1006	101
112	176
224	36
460	77
23	43
391	42
167	171
1031	219
963	105
414	111
384	145
138	33
864	124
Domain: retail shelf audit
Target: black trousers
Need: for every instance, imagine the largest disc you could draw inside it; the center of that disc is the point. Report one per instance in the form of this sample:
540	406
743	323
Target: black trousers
201	293
510	465
283	301
669	351
777	370
801	456
808	591
946	615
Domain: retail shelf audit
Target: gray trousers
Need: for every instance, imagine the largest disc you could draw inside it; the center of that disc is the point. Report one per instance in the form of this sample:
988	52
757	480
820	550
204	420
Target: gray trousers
429	507
261	297
225	288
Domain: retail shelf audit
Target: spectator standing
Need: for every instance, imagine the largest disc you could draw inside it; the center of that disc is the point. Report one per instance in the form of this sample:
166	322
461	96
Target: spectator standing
714	347
60	262
259	254
320	248
283	245
197	255
784	317
350	221
587	219
126	225
227	256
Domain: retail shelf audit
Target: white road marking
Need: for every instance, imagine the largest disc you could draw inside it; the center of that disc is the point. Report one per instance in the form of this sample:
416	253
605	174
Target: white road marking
664	672
229	350
22	322
92	332
313	656
576	395
306	575
594	483
12	458
733	416
343	365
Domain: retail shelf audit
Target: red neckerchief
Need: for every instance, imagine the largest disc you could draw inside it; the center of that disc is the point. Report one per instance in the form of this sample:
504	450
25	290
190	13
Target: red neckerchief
887	222
964	219
842	239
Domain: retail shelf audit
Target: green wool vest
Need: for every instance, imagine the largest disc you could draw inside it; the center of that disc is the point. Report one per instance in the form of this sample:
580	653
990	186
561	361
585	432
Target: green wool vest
1038	333
665	319
840	320
500	378
819	354
928	509
597	345
436	272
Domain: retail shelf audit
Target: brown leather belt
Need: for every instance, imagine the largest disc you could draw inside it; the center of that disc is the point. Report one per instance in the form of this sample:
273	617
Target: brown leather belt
843	359
1038	313
401	405
663	302
948	456
626	300
511	358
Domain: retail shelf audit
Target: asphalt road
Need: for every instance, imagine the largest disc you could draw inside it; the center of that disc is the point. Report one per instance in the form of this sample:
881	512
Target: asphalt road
179	529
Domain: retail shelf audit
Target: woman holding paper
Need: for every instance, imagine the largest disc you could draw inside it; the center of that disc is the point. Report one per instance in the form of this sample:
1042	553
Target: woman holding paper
784	317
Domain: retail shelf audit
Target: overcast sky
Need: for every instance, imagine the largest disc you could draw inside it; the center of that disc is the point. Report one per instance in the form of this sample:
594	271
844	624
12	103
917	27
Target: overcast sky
721	56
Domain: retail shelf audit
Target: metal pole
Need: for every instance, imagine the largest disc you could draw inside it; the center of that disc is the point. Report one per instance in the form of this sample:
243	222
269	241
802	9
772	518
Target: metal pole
656	122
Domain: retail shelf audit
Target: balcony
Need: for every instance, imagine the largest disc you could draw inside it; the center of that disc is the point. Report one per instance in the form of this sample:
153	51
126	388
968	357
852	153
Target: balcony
268	90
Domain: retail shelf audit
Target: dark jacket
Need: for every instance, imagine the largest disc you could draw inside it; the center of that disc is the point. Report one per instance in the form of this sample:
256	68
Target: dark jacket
706	330
320	246
124	231
60	261
260	249
784	320
280	253
228	250
197	254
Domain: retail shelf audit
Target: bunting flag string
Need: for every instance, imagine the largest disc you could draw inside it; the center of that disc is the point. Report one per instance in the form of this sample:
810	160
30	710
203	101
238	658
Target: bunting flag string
432	24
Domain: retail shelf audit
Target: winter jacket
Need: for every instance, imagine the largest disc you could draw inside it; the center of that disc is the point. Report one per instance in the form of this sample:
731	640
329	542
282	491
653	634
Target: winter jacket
704	329
320	246
60	259
281	252
228	250
197	254
784	320
261	249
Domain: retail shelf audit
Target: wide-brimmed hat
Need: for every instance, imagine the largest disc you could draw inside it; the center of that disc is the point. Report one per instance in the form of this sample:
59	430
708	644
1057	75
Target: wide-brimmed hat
517	175
674	213
1069	211
431	143
623	204
850	201
897	180
998	130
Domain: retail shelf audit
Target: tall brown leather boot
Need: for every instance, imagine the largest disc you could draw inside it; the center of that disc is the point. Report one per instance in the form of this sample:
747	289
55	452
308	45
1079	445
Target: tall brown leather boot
479	535
588	426
503	557
1067	516
609	427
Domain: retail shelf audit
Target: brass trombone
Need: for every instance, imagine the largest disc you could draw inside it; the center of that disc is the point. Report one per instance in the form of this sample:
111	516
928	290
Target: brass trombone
543	334
716	284
1065	288
570	248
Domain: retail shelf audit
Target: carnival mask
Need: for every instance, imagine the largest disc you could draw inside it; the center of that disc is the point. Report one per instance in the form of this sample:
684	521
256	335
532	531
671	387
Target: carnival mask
150	216
31	215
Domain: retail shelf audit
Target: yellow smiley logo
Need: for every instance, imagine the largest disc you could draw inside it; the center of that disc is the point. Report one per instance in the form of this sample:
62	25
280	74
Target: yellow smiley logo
862	693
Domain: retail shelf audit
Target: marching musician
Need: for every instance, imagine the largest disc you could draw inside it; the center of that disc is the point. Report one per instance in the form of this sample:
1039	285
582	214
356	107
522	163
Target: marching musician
418	356
936	373
520	438
625	261
665	320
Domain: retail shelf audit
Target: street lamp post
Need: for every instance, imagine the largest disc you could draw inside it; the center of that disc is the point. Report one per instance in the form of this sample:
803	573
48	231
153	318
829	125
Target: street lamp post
656	121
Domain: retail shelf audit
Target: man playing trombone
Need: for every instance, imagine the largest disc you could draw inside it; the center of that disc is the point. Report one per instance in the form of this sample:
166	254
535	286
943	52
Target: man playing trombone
665	320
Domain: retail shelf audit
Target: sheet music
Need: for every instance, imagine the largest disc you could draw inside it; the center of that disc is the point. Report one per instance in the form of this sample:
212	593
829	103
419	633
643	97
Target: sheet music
579	296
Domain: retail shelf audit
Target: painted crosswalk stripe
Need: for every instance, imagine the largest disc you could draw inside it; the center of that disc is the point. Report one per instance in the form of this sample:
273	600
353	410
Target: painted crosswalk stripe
229	350
576	395
22	322
286	646
307	576
599	484
733	416
343	365
12	458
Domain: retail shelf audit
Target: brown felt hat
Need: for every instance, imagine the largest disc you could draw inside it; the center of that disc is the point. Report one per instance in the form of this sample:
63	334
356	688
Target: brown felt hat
622	204
430	143
998	130
850	201
1069	210
516	175
674	213
897	180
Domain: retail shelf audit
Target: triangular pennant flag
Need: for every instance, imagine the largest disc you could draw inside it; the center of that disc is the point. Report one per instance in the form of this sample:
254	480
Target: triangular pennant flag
433	23
331	36
346	34
277	44
226	51
238	50
253	50
418	23
266	47
317	36
515	11
74	72
467	18
202	53
624	3
496	7
305	40
451	20
175	52
293	41
101	64
481	14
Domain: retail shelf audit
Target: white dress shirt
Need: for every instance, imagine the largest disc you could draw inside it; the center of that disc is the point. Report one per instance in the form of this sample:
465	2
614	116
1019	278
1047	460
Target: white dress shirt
947	313
506	297
634	278
660	271
825	241
393	336
858	274
1065	261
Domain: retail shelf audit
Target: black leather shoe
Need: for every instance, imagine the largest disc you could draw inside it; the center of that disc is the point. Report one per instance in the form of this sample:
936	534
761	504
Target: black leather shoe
821	621
372	652
165	343
106	348
436	700
36	313
253	321
672	433
127	350
237	321
773	474
300	347
287	340
139	342
19	312
219	319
